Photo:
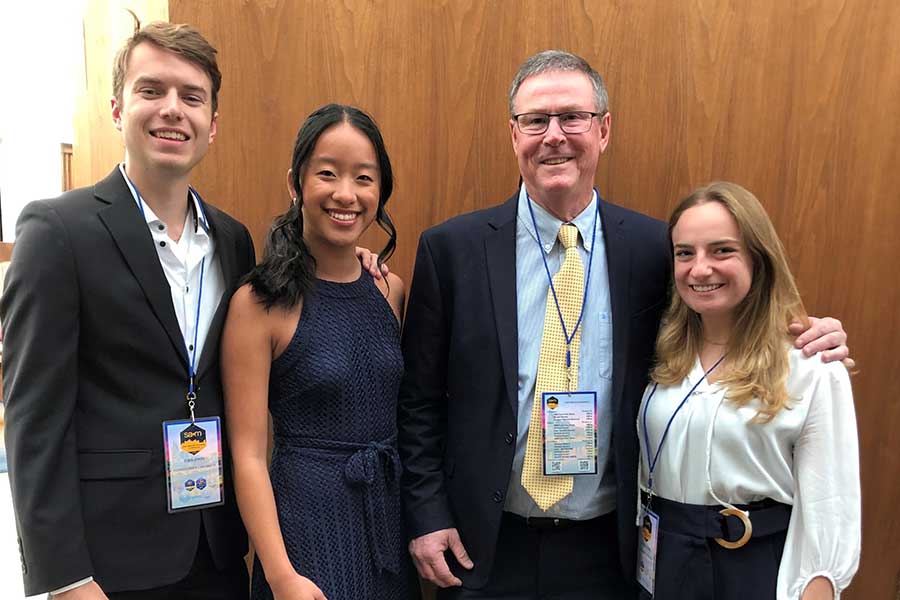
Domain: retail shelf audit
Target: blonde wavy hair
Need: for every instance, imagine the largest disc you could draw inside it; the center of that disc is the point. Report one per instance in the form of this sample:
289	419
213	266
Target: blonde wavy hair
757	364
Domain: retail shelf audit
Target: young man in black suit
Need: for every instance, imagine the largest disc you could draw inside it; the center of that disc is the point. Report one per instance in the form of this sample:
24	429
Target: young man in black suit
112	312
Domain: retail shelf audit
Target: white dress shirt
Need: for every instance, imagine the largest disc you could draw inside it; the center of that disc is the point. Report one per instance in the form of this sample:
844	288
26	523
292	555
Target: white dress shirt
807	457
180	262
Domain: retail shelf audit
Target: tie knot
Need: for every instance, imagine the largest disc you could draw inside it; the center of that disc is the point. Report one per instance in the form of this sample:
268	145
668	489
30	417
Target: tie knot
568	236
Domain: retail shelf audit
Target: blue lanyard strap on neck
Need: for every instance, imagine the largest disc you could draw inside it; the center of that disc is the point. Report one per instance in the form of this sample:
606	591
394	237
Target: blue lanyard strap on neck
651	462
587	280
192	351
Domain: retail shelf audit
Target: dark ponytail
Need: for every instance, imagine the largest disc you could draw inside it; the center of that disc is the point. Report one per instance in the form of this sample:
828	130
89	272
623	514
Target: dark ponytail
288	270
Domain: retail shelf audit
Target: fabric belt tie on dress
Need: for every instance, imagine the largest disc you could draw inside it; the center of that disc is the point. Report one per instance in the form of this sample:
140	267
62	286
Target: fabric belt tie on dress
374	466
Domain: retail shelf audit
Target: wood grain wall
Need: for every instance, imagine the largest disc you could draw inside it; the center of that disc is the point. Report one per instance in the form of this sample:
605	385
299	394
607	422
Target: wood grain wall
798	101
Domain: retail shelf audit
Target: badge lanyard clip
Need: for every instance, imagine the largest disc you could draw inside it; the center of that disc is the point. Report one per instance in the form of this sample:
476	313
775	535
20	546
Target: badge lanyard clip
191	396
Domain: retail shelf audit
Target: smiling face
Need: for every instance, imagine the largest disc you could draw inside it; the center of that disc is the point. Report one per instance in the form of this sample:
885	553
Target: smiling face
713	268
341	187
558	168
164	114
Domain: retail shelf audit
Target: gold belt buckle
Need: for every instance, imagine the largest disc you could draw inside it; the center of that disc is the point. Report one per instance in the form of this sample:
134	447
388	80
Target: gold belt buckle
748	528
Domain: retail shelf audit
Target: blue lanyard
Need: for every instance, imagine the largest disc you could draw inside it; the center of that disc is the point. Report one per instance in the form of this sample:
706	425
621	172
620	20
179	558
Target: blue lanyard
651	464
587	281
192	373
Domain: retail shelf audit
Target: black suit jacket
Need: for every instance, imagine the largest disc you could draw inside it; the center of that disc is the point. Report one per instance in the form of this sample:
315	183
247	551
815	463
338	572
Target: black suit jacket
93	363
459	398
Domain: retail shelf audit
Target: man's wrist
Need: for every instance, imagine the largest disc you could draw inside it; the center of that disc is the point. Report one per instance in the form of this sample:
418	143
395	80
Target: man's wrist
72	586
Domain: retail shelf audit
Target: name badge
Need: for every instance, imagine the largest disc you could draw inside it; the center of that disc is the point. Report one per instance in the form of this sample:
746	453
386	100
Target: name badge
193	463
570	433
646	559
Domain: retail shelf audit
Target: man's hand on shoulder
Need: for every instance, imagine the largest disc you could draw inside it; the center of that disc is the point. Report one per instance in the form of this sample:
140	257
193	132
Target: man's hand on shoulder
369	261
825	336
428	555
88	591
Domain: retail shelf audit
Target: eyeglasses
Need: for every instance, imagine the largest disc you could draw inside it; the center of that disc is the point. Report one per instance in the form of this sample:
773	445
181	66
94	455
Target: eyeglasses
576	121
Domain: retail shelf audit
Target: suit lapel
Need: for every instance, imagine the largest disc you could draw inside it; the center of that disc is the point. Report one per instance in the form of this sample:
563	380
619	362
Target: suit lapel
223	237
128	229
500	255
618	258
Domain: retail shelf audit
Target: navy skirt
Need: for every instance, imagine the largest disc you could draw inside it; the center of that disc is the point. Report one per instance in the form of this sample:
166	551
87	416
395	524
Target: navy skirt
691	565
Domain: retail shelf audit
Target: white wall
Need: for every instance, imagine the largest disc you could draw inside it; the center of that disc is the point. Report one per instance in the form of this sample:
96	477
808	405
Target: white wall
41	75
42	72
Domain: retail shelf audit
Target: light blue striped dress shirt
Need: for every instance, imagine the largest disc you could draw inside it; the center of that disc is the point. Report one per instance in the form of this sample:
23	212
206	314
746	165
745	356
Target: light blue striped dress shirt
592	495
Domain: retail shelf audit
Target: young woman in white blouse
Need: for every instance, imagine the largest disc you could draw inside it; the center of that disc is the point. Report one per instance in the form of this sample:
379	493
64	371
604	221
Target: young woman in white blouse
736	420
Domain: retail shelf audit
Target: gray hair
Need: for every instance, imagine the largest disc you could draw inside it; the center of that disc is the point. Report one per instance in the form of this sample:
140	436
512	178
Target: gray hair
558	60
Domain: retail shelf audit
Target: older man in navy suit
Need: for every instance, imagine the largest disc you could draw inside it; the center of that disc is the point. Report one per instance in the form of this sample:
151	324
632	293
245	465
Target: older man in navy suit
472	343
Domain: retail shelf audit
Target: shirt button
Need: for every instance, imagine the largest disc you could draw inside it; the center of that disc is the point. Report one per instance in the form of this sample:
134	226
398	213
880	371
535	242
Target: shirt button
548	246
163	244
161	227
509	438
191	347
498	496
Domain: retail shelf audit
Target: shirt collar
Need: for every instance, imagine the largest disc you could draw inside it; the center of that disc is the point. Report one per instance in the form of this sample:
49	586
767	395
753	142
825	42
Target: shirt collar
153	220
548	225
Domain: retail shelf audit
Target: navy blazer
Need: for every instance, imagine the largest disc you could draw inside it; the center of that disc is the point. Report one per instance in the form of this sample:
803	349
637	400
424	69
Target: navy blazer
93	363
459	399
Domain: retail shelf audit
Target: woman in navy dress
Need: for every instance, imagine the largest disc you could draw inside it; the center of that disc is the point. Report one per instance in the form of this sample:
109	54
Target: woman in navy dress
314	340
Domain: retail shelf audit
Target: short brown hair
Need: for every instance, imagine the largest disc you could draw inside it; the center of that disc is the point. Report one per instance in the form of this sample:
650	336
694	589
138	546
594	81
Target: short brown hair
183	40
558	60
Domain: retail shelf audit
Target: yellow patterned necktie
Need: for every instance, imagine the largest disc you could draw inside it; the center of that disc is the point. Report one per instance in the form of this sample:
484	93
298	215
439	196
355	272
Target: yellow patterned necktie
552	374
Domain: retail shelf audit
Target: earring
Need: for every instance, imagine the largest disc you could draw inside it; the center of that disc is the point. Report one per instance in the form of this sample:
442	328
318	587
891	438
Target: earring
293	200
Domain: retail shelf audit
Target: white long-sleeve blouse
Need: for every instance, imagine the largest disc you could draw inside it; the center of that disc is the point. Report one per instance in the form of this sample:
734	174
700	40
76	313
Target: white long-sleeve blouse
807	456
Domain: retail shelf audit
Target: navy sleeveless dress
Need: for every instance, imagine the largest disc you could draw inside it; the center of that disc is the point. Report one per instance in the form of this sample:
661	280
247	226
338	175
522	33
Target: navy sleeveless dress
335	470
